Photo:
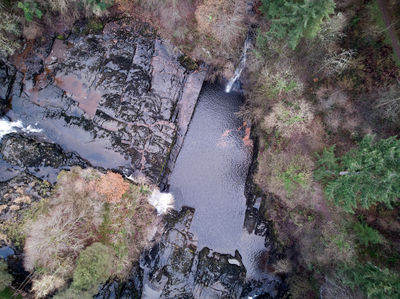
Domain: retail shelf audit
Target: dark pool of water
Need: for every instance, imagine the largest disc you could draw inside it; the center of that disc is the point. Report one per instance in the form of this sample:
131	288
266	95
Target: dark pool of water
5	252
210	175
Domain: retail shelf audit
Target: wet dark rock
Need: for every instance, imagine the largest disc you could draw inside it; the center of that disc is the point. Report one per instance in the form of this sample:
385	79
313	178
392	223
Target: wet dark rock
7	78
7	74
16	196
111	97
174	268
219	275
16	268
131	288
41	158
19	193
26	151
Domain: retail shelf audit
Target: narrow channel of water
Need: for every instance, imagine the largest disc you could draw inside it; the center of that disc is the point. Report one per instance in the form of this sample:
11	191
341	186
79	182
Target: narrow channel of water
210	175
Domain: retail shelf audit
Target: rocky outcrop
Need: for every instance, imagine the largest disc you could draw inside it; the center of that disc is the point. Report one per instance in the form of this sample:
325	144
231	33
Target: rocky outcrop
10	85
114	98
43	159
19	192
176	268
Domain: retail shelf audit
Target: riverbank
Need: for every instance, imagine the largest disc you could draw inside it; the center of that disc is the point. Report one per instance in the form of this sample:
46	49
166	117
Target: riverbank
325	92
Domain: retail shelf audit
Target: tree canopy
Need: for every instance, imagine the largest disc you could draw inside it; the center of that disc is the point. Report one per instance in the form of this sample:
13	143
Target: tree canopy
364	176
295	19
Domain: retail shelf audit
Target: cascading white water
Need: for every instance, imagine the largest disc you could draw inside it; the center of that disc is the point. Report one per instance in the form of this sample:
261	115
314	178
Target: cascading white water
161	201
242	64
7	127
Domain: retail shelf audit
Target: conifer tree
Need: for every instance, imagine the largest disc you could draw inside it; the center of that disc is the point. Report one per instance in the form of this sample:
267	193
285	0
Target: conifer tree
364	176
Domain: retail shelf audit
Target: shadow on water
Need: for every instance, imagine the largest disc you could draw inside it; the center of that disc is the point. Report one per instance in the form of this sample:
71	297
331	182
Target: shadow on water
210	175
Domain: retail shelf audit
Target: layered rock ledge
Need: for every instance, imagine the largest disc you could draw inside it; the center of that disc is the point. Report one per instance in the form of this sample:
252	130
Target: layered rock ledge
119	99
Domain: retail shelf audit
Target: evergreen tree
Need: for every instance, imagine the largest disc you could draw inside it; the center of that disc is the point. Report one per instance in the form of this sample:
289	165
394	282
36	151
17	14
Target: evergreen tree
295	19
364	176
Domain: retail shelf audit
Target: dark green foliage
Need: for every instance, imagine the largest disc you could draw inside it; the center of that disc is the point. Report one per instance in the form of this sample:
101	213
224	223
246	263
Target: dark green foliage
30	9
8	293
362	177
93	266
5	278
373	281
366	235
293	20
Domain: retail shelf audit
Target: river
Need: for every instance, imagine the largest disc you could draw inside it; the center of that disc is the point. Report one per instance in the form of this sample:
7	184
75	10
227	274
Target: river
210	176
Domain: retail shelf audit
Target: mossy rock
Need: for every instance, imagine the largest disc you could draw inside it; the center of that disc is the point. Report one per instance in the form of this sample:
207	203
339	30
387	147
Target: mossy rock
95	26
188	63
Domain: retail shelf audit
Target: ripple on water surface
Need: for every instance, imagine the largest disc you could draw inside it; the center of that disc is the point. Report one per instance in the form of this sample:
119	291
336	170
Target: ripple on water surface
210	175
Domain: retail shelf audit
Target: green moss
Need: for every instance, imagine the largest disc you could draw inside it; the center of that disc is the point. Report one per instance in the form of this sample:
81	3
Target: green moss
105	227
95	26
188	63
292	177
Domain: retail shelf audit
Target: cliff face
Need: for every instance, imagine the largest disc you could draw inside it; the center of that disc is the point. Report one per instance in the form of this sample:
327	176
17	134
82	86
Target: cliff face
117	98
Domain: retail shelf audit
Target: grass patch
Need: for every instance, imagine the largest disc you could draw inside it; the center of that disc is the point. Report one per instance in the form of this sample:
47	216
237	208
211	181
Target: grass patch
287	175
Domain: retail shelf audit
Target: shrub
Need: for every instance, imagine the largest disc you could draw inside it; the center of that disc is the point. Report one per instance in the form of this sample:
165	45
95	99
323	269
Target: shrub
389	103
83	210
286	174
9	30
46	284
372	280
5	278
93	266
286	117
337	63
334	288
222	20
76	7
366	234
296	19
30	9
364	176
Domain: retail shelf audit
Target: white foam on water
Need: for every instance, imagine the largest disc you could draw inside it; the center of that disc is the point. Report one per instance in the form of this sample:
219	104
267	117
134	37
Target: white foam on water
161	201
234	262
7	127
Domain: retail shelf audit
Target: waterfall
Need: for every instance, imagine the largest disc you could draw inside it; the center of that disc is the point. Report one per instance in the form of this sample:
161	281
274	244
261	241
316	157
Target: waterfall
161	201
242	64
7	127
